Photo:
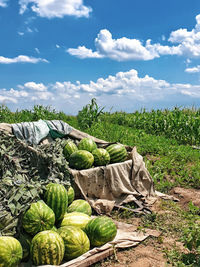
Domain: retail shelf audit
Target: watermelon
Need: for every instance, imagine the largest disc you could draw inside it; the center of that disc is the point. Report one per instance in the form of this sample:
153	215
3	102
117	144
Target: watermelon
38	217
117	153
69	148
71	195
101	157
10	251
101	230
57	199
75	218
87	144
54	229
25	241
80	205
75	240
81	159
47	247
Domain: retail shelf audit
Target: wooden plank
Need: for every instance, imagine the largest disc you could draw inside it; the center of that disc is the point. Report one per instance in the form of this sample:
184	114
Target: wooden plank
95	258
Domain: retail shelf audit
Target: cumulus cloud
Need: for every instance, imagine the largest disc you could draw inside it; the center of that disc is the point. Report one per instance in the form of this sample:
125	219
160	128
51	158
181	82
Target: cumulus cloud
193	70
83	52
127	87
21	59
3	3
35	86
55	8
183	43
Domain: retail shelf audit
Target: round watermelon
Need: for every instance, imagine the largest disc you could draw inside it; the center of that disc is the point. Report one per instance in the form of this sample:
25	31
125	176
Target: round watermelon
81	159
25	241
75	240
117	153
57	199
100	230
10	251
101	157
38	217
77	219
80	205
87	144
71	195
47	247
69	148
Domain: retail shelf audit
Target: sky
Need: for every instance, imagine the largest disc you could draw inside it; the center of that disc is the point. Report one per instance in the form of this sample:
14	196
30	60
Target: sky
128	54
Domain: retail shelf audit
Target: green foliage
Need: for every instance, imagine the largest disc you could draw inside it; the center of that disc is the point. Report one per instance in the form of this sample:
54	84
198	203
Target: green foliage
38	112
89	114
180	124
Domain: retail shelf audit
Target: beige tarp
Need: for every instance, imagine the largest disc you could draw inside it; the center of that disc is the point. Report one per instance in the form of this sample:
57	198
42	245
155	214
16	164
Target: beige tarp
116	184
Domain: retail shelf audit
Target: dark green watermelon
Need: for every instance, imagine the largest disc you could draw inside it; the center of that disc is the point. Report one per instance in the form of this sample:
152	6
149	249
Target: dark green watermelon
117	152
38	217
101	157
101	230
69	148
56	198
81	159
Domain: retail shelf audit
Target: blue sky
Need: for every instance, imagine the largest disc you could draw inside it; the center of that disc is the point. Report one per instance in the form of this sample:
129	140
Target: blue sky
127	54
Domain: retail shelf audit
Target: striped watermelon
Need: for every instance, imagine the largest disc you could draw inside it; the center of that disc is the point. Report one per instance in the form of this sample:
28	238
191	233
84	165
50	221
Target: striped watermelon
71	195
69	148
57	199
47	247
87	144
80	205
75	240
101	157
117	153
101	230
10	251
81	159
38	217
77	219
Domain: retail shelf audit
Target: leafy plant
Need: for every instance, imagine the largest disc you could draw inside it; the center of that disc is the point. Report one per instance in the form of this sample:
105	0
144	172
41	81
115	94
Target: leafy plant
89	114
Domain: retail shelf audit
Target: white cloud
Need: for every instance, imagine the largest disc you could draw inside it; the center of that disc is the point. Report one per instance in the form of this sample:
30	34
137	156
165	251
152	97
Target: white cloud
55	8
37	50
187	43
21	59
21	33
3	3
122	90
83	52
35	86
193	70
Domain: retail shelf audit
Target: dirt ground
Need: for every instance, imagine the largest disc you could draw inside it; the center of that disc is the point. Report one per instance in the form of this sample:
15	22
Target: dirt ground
150	252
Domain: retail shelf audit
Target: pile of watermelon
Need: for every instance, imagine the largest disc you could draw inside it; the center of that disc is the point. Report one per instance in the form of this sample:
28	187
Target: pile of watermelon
86	154
56	228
